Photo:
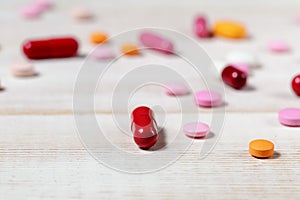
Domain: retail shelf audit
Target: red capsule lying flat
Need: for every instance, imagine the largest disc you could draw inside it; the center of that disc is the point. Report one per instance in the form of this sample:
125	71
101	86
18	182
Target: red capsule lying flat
296	84
51	48
144	127
234	77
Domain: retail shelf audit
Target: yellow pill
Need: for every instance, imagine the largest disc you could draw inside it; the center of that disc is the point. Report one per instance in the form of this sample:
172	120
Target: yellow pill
229	29
98	37
261	148
130	49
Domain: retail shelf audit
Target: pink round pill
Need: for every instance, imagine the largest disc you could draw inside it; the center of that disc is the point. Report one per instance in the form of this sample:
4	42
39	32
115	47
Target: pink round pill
278	46
176	89
42	4
103	52
242	67
200	27
23	70
289	117
157	42
30	12
208	98
196	129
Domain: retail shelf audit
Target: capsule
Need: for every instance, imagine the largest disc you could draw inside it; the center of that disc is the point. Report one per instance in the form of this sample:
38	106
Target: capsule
296	84
200	27
51	48
234	77
157	42
144	127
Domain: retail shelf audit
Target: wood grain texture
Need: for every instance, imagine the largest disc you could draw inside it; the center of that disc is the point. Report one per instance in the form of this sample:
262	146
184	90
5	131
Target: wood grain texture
43	157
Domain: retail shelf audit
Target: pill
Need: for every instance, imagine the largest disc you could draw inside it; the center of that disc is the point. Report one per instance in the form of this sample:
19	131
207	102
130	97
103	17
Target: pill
23	70
30	12
98	37
42	4
229	29
156	42
208	98
278	46
289	117
296	84
261	148
243	57
242	67
234	77
297	18
144	127
103	52
176	89
196	129
50	48
201	28
130	49
81	13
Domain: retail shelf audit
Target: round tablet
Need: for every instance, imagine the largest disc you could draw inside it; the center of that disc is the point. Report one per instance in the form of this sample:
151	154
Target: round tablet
30	12
242	57
278	46
81	13
176	89
208	98
196	129
23	70
289	117
103	53
261	148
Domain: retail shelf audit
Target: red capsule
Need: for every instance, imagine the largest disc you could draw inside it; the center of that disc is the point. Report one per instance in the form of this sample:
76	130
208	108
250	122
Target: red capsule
296	84
50	48
234	77
144	127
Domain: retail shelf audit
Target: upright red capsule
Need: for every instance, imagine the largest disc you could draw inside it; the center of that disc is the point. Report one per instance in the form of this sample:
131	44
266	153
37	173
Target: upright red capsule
234	77
50	48
144	127
296	84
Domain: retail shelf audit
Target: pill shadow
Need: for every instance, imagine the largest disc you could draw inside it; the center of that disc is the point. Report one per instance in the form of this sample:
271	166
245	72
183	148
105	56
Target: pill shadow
161	141
249	88
2	89
275	155
208	136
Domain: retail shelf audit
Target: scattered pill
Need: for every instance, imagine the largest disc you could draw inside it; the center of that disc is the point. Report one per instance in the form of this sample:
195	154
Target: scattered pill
208	98
234	77
81	13
50	48
261	148
201	28
144	127
230	29
103	52
176	89
296	84
242	57
289	117
157	42
30	12
278	46
98	37
130	49
196	129
42	5
242	67
23	70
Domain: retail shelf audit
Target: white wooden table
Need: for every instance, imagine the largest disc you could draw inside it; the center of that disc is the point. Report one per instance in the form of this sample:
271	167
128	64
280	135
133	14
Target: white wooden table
42	157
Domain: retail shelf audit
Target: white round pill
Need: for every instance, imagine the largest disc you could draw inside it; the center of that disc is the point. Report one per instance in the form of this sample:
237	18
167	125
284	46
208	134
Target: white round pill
242	57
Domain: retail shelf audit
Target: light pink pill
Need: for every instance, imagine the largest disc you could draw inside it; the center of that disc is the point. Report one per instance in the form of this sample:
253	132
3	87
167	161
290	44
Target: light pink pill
297	18
208	98
30	12
81	13
242	67
289	117
103	52
196	129
176	89
278	46
42	4
23	70
200	27
157	42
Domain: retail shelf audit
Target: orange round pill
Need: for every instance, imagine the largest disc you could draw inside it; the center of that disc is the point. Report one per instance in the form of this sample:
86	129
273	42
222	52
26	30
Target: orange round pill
130	49
261	148
229	29
98	37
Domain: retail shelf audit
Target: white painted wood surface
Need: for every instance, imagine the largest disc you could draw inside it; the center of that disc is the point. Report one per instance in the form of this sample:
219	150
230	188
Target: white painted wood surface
41	156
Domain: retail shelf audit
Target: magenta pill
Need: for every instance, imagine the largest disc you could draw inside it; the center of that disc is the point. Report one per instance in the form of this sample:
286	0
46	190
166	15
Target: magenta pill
157	42
201	27
30	12
208	98
176	89
234	77
278	46
196	129
289	117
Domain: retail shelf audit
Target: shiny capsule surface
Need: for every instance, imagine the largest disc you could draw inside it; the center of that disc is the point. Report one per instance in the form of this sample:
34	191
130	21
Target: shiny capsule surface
51	48
296	84
234	77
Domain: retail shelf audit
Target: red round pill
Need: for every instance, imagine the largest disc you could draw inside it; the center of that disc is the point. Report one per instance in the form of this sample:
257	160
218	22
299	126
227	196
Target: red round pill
50	48
144	127
296	84
234	77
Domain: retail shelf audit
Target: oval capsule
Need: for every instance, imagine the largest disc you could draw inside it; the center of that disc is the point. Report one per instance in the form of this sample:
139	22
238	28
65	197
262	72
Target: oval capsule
50	48
201	28
157	42
296	85
234	77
